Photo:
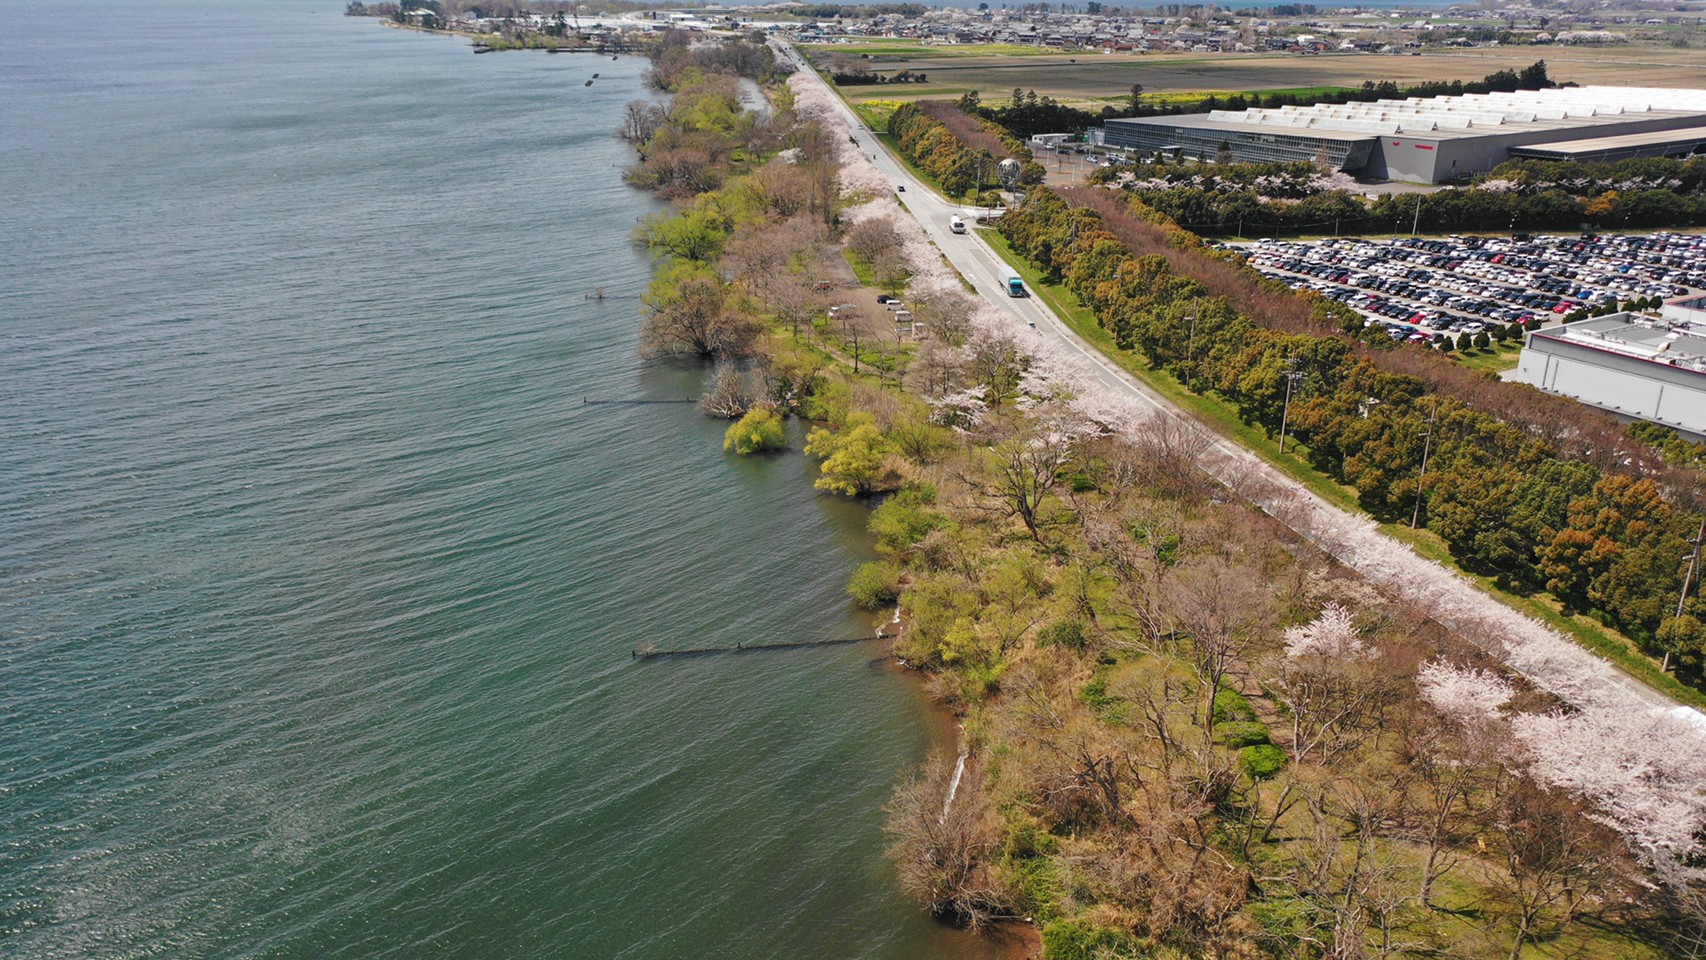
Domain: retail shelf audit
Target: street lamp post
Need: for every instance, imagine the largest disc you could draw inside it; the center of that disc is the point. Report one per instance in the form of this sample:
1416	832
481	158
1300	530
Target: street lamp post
1687	580
1427	446
1191	365
1292	376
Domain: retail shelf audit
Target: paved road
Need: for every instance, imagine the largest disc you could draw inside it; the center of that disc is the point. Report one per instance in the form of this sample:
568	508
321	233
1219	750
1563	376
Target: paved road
1463	607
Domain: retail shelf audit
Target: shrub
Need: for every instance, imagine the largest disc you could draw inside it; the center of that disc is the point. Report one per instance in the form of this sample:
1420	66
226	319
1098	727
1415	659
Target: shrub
875	585
758	431
1066	633
1242	733
1262	761
1078	940
1095	696
1036	885
901	521
1231	707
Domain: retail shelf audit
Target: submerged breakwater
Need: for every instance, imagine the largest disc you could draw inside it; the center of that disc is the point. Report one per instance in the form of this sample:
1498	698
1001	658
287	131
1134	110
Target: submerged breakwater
318	578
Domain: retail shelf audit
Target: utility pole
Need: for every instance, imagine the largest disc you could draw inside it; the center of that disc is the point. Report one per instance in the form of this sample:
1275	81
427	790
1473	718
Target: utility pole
1427	446
1292	376
1687	580
1192	366
1417	220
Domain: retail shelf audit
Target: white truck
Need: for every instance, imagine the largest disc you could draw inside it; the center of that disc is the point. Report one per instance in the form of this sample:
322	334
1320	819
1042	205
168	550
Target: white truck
957	225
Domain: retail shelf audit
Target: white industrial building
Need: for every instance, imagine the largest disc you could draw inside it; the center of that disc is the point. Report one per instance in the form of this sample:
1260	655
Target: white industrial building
1632	365
1437	139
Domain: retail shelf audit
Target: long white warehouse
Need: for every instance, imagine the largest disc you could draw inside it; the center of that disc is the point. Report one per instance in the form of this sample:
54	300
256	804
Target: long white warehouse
1438	139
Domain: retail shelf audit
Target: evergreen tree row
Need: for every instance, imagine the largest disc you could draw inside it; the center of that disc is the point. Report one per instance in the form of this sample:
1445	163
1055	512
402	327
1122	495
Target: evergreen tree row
1509	503
958	166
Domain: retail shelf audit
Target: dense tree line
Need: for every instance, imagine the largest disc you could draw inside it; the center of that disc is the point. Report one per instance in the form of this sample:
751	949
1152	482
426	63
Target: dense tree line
1588	179
957	149
1263	197
869	78
1026	114
1512	502
831	11
676	53
1533	194
1548	195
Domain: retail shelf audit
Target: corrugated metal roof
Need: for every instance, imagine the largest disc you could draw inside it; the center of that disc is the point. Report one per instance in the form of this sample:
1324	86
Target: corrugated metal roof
1468	115
1595	145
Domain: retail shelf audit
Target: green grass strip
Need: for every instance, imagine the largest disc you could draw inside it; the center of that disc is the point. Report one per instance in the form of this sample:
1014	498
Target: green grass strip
862	270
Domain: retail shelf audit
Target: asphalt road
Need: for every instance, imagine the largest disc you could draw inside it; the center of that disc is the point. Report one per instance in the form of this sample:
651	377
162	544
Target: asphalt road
980	265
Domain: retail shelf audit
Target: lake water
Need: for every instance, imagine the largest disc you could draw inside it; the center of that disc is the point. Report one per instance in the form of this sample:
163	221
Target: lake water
318	579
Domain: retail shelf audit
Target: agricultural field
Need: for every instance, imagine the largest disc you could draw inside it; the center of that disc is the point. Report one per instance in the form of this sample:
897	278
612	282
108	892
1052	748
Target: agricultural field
1092	80
898	49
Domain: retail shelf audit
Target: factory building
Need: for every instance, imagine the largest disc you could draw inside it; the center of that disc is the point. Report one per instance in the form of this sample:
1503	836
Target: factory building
1437	139
1634	366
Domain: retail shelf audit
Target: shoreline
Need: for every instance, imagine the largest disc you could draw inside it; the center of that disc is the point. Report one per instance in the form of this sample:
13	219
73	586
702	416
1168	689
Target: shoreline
1015	939
1008	939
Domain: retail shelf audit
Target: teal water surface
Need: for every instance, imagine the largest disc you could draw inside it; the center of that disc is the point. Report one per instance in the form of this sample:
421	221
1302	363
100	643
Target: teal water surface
318	580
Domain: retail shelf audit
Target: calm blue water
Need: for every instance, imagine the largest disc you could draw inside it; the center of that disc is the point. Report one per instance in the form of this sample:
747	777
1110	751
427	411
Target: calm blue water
317	579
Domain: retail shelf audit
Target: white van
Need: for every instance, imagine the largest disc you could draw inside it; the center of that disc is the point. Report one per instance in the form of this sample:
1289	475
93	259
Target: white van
957	225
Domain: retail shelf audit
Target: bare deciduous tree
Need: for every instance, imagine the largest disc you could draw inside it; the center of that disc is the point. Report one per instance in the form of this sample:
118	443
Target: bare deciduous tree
858	330
1219	613
728	394
996	363
1557	861
1332	686
934	371
640	120
1174	449
946	315
943	834
698	316
871	240
1452	764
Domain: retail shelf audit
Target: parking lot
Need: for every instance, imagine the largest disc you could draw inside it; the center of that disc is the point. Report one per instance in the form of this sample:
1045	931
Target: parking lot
1424	288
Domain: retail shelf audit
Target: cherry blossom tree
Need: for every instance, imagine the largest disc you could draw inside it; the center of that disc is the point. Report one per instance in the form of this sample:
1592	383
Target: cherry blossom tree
1332	634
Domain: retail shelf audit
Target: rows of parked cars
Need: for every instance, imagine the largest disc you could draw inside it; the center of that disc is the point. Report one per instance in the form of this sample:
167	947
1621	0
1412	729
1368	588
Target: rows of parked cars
1424	288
